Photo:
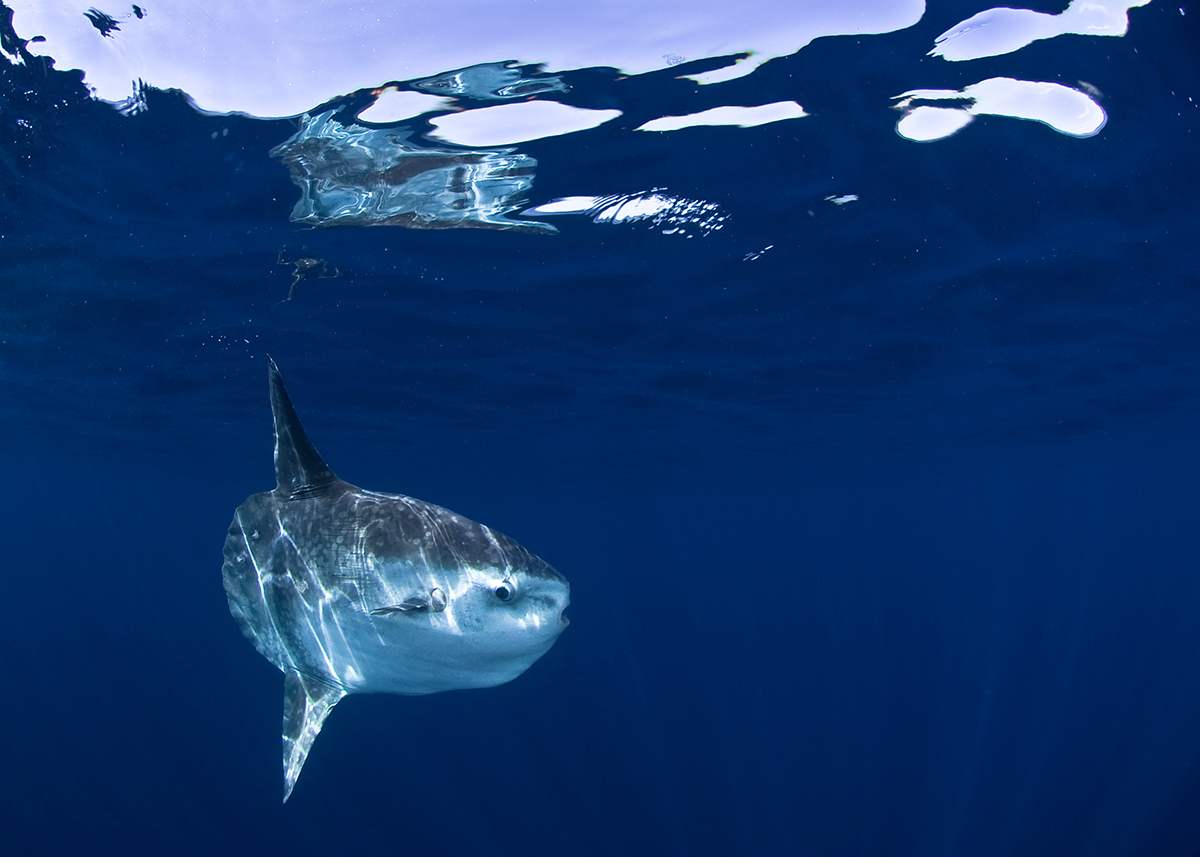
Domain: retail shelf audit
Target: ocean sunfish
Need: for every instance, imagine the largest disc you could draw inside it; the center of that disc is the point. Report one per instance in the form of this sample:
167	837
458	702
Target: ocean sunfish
353	591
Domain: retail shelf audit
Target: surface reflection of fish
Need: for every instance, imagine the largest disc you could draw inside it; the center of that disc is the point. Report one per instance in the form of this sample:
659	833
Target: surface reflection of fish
353	175
352	591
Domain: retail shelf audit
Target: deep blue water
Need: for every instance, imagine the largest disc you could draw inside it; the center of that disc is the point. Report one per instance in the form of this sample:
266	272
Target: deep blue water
881	541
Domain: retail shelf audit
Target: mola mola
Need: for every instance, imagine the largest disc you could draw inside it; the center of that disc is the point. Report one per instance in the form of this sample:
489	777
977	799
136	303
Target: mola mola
352	591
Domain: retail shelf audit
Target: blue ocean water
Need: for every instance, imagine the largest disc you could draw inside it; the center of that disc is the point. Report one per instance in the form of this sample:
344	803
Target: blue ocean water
879	515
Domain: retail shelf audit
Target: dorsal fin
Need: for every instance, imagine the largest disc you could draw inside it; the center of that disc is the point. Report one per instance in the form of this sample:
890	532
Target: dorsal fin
298	466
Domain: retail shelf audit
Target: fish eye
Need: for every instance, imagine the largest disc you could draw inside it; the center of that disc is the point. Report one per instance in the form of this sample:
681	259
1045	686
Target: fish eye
506	591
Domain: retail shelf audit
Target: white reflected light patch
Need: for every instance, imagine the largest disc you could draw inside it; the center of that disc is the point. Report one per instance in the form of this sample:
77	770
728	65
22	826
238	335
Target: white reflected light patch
927	123
506	124
277	58
566	205
1066	110
1001	31
742	117
670	214
392	105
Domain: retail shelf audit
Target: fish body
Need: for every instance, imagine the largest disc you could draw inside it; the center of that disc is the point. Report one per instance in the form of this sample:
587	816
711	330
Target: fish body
355	591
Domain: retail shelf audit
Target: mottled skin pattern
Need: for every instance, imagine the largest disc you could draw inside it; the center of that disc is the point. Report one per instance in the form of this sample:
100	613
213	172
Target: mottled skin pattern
347	591
297	569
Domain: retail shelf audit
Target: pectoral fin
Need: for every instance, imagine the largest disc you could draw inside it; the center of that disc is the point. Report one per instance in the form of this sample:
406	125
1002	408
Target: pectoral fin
435	601
410	605
306	704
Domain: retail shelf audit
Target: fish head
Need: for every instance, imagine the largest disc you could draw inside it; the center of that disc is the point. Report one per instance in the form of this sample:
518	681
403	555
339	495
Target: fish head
515	614
469	626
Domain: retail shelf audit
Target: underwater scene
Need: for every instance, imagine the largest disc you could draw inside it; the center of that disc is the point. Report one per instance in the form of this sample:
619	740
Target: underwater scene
600	428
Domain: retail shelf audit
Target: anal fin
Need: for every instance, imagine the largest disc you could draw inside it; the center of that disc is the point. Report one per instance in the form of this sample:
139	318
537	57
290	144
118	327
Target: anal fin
306	704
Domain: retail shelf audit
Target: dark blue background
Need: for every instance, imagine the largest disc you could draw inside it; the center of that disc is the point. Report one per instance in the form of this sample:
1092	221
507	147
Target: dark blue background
881	543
